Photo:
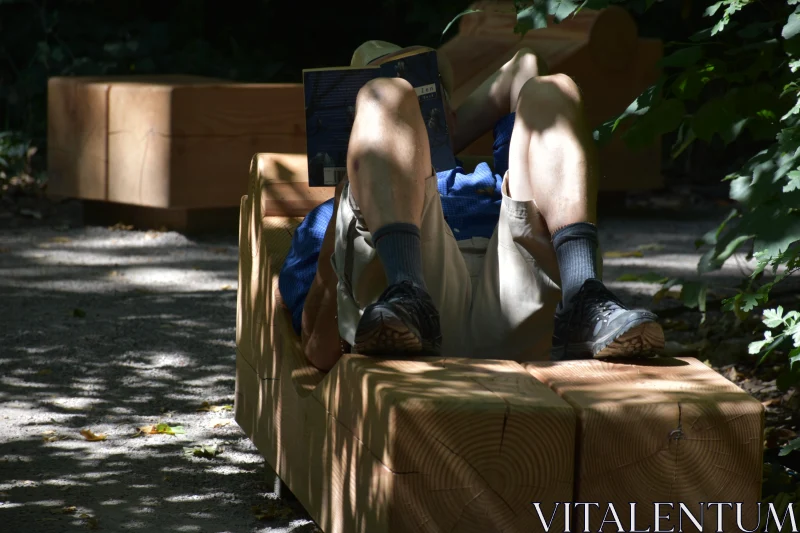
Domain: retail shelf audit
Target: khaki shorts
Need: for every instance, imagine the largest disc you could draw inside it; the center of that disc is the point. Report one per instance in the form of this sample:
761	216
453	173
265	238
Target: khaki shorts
496	297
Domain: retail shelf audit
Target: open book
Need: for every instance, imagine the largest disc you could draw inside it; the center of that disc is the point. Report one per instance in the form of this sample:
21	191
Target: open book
330	100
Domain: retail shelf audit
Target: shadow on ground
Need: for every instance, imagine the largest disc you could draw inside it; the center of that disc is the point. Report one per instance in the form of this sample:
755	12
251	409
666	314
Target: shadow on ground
113	330
110	331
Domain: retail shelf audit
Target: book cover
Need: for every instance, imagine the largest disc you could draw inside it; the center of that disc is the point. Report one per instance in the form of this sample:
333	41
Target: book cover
330	99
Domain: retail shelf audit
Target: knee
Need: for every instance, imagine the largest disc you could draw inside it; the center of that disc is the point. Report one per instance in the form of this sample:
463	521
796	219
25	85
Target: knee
387	95
556	93
527	64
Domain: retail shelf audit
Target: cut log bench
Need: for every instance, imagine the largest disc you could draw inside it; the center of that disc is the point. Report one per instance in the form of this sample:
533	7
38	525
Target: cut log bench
466	445
170	150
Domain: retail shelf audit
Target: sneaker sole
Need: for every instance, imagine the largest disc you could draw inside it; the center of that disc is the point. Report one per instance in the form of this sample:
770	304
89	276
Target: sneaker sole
638	340
642	340
386	334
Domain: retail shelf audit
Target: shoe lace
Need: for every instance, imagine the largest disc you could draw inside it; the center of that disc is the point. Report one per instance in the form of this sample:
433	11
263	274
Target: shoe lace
413	301
594	302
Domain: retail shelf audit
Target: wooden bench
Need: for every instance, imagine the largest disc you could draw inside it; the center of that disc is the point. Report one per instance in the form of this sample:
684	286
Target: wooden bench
169	150
165	150
600	50
466	445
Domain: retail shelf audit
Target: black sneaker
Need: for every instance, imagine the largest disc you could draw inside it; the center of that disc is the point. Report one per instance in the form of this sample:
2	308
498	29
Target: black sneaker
403	321
598	325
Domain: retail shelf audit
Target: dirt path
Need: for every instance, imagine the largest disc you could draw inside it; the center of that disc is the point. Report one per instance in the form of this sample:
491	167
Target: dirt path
113	330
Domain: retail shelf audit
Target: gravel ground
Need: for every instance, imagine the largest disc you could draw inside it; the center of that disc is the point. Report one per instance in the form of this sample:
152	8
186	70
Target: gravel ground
111	330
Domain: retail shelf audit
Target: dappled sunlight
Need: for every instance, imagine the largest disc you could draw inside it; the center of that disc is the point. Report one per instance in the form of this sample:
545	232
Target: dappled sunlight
114	331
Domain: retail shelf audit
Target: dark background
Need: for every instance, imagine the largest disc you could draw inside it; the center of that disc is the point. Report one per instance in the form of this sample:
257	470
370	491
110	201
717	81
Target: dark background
244	40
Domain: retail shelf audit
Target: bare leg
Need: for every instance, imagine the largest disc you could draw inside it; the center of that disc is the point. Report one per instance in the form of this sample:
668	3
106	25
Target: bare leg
388	157
388	162
552	153
552	162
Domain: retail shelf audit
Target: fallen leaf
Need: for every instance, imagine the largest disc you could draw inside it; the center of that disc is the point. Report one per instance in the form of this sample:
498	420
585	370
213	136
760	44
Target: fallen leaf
52	436
649	277
226	288
84	516
614	255
78	313
160	429
60	240
206	451
214	408
91	436
650	247
733	375
669	294
45	372
221	424
771	402
119	226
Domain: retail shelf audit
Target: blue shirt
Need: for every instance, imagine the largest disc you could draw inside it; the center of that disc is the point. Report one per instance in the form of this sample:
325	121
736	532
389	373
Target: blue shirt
470	204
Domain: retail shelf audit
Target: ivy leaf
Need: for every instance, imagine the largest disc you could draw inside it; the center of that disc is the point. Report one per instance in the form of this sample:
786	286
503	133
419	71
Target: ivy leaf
712	9
792	26
791	446
683	57
457	17
773	317
722	251
693	294
794	181
665	116
776	231
717	116
531	18
756	346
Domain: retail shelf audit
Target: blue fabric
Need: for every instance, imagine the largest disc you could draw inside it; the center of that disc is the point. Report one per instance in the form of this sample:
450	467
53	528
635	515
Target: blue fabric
470	203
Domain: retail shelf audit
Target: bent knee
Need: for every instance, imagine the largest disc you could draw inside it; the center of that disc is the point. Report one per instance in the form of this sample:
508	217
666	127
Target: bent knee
556	92
528	64
393	95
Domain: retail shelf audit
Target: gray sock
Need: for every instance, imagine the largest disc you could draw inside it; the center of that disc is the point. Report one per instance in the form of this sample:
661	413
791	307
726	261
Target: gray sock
576	251
400	249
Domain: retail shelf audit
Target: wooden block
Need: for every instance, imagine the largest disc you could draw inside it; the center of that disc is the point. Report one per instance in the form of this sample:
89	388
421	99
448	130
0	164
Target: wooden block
399	446
389	446
77	132
664	430
187	145
281	182
77	136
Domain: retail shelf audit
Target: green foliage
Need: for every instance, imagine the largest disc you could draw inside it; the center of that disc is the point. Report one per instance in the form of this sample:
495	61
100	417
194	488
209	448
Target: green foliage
736	79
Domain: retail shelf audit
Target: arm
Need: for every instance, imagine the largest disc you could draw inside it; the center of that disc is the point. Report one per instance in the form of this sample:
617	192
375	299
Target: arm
495	98
320	329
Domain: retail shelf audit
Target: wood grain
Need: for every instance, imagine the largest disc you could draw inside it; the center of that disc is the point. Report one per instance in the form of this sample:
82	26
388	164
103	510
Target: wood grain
386	445
667	430
180	144
77	130
77	137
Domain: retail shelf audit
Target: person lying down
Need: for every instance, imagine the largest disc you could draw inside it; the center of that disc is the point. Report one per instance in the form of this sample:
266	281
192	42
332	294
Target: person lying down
498	263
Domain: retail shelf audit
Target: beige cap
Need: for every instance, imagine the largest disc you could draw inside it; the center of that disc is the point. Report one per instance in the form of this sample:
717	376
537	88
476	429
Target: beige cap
372	50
